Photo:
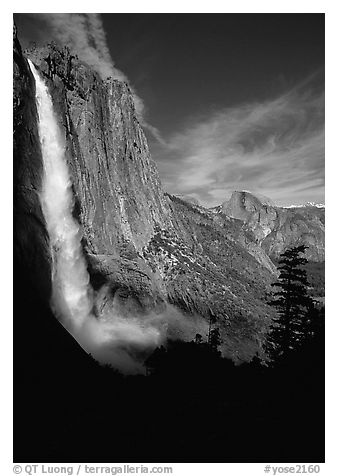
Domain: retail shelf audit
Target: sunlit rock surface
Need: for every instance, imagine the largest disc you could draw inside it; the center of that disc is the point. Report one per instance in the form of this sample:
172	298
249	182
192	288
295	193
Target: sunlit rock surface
119	199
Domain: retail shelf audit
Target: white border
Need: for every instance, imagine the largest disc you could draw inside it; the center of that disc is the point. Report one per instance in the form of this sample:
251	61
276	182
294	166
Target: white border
144	6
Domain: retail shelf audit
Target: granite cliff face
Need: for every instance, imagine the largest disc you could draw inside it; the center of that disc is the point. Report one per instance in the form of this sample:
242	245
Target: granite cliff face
276	228
119	200
144	249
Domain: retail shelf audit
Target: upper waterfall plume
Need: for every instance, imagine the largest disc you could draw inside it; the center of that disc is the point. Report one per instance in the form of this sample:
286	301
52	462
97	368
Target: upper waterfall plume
71	293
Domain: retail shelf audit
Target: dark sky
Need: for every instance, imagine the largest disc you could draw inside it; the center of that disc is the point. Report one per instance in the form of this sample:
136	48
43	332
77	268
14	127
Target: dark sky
189	64
237	99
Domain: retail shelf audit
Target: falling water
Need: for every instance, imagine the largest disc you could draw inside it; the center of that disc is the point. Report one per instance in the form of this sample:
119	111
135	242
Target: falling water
71	299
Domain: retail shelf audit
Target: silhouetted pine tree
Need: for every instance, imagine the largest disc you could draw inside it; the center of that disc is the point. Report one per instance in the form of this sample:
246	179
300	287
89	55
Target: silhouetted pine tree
214	336
291	298
215	339
198	339
212	322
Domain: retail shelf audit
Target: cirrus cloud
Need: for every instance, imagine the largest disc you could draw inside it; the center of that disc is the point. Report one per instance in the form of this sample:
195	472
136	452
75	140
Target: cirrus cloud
275	147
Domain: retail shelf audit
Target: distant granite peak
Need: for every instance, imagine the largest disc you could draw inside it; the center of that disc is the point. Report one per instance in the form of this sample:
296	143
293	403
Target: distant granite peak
242	203
277	228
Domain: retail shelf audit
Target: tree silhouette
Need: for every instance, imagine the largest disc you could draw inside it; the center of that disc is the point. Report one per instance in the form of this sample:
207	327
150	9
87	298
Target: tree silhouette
215	339
291	298
214	336
198	339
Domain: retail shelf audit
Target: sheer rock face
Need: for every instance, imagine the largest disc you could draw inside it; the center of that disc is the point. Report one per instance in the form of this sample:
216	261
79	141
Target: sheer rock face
116	182
275	228
118	196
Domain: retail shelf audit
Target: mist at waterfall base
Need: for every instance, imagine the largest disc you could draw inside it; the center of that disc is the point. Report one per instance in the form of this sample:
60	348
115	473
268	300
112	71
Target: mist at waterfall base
124	342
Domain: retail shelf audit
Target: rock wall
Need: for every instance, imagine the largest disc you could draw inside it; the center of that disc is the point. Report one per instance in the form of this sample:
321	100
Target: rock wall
116	182
118	195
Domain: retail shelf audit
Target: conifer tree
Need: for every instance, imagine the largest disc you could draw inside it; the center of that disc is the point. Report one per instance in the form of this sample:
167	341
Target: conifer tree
215	339
292	301
214	335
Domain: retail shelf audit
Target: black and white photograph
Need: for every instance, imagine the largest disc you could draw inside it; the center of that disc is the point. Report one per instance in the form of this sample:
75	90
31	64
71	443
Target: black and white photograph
169	240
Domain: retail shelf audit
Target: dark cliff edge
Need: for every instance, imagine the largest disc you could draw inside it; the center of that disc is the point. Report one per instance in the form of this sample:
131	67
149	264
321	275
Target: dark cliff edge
30	236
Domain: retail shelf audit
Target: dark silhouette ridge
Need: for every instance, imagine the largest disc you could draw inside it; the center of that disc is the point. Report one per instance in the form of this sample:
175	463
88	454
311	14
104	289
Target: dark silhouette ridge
193	405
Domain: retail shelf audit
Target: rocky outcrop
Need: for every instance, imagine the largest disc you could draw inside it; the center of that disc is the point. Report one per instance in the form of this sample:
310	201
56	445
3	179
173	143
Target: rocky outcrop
276	229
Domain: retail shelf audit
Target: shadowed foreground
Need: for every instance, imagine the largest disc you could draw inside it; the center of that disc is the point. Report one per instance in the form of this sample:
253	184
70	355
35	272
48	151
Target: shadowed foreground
194	406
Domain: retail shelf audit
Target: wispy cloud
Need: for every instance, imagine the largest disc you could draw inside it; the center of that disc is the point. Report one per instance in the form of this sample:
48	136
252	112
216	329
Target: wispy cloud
274	147
85	35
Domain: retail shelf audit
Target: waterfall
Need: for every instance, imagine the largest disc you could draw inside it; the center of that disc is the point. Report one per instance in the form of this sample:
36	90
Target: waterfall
111	338
71	296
